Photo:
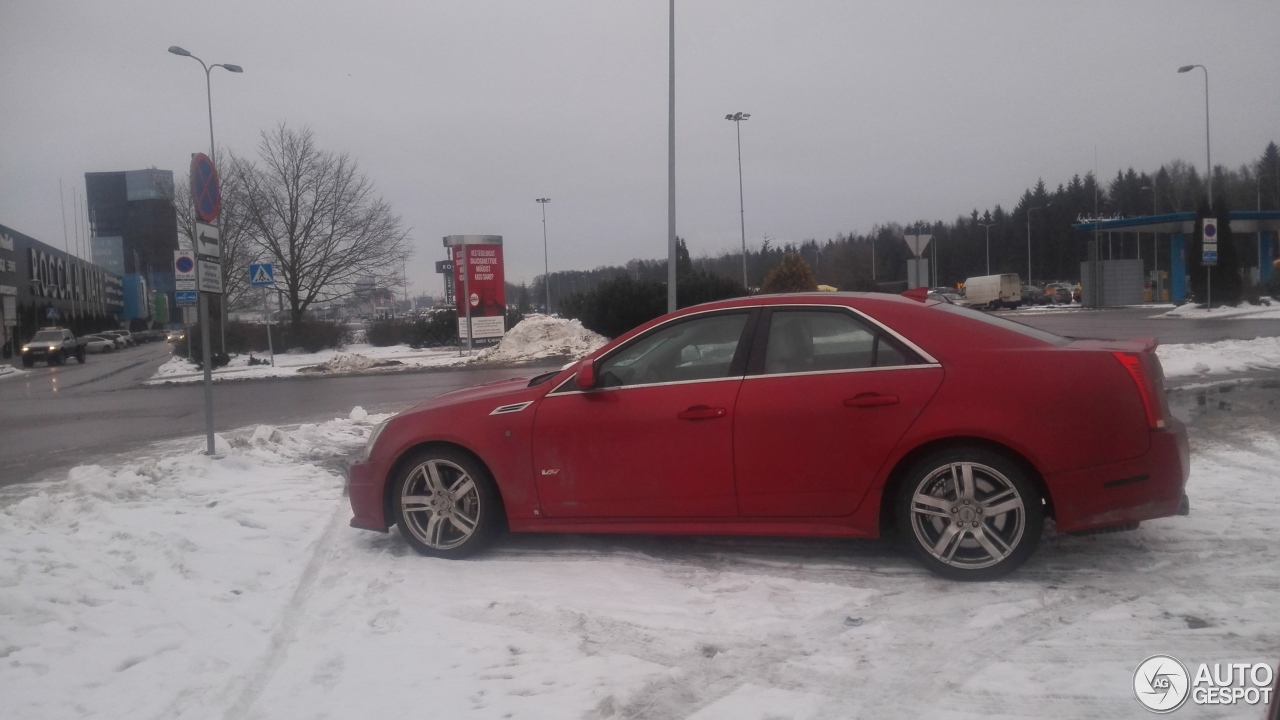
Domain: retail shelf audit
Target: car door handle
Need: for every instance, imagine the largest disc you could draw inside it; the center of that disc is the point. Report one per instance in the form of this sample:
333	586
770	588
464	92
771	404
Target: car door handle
871	400
701	412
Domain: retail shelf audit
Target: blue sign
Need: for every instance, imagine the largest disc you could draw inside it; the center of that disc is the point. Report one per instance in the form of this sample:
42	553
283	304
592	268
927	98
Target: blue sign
185	298
1209	257
261	275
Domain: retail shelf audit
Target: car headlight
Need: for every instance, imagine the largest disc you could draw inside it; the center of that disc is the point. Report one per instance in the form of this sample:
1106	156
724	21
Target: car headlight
373	439
26	348
53	347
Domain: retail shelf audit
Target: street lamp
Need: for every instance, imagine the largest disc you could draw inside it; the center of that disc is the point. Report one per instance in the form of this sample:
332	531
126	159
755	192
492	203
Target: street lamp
208	90
1207	158
546	272
1042	207
200	296
988	227
737	119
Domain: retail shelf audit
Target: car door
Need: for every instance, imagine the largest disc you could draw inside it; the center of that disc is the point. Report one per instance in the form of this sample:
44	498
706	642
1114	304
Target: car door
827	396
655	438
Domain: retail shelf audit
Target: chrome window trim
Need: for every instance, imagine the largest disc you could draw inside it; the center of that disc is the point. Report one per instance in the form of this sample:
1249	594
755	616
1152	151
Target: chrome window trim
766	376
929	359
648	385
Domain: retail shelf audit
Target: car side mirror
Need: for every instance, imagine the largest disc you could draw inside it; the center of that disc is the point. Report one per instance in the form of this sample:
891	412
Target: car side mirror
586	374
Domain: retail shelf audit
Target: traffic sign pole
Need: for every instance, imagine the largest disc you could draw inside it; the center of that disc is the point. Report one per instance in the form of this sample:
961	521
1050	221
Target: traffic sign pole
266	312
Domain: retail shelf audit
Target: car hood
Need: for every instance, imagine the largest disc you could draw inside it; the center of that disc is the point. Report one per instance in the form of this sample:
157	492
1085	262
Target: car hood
491	390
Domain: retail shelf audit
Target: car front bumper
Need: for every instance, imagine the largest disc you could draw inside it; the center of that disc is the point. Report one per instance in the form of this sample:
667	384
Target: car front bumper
1143	488
366	482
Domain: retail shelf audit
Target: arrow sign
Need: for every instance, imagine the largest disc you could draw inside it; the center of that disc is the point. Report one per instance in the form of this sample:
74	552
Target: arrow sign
208	241
261	275
205	189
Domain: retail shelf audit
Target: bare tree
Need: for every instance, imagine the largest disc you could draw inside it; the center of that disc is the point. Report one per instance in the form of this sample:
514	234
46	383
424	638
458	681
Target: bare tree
316	218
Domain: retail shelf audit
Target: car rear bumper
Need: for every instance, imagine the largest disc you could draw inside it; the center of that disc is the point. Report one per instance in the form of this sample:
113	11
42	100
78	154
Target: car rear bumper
365	483
1143	488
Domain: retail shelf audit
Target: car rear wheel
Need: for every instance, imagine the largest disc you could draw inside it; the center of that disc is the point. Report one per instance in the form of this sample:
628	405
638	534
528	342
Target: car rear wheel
970	513
446	504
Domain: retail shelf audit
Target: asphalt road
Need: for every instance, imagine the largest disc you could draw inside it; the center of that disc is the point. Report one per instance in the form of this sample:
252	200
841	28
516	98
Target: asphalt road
52	419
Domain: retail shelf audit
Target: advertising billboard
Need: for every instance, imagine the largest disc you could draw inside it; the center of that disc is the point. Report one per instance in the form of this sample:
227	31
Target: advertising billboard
483	287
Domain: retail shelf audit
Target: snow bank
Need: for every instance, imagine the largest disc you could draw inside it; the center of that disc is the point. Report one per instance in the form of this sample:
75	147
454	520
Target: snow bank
541	336
1226	356
8	371
1243	311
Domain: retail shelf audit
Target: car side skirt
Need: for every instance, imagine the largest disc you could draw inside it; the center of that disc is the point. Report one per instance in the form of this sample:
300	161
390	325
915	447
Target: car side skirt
806	527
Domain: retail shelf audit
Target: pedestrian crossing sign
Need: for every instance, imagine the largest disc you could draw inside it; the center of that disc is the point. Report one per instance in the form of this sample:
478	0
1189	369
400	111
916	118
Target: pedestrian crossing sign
261	275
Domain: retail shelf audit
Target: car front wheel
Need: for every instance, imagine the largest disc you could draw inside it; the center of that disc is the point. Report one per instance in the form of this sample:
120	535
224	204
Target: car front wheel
970	514
446	504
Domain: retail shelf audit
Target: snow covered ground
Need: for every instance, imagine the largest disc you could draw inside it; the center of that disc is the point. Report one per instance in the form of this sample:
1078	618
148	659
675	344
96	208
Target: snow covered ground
537	337
172	585
1243	311
1226	356
8	371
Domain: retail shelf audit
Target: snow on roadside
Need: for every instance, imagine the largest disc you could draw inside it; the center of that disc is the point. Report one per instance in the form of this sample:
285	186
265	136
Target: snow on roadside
537	337
8	371
179	586
1243	311
1226	356
542	336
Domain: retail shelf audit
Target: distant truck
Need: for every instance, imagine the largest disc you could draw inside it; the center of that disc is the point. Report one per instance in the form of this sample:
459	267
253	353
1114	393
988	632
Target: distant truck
54	346
994	291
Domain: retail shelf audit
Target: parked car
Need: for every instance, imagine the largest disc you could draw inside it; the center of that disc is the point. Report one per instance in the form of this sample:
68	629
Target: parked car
99	344
828	414
994	291
1032	295
1058	293
53	346
176	336
126	339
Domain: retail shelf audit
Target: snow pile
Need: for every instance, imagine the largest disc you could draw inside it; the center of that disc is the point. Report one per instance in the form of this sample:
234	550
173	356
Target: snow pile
1226	356
179	370
541	336
1242	311
352	362
7	371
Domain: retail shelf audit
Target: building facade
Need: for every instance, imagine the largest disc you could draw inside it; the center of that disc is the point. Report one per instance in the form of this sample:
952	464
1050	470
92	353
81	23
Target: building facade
42	285
134	229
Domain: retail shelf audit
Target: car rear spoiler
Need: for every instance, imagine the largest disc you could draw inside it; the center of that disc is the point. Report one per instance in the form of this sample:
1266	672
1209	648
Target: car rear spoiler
919	294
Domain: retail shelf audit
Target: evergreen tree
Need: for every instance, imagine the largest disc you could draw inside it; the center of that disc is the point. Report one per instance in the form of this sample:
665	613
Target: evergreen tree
792	275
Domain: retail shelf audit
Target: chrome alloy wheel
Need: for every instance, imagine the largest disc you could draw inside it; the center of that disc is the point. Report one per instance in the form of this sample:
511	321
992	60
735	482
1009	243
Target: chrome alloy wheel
968	515
440	503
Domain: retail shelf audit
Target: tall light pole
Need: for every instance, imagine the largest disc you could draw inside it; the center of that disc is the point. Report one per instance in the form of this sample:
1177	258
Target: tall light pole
1207	157
208	91
988	226
737	119
671	164
546	271
201	300
1042	207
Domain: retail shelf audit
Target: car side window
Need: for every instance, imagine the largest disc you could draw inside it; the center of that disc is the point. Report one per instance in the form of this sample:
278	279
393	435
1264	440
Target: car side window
824	340
699	348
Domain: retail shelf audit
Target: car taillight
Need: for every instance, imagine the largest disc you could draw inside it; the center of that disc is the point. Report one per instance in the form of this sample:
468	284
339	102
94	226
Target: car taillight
1148	385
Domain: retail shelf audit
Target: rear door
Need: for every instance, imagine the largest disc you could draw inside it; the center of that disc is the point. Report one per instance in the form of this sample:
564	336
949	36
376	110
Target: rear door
827	396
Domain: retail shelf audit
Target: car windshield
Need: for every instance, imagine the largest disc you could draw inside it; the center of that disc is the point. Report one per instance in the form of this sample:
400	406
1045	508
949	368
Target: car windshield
1010	325
48	336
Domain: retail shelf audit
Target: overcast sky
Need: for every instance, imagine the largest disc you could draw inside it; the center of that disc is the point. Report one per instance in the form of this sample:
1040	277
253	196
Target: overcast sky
465	111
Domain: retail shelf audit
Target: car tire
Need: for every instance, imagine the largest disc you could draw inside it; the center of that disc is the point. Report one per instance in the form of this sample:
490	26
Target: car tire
80	353
28	362
970	513
446	503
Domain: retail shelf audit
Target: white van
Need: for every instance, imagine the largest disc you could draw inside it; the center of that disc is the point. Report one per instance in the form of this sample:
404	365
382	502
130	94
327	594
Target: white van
994	291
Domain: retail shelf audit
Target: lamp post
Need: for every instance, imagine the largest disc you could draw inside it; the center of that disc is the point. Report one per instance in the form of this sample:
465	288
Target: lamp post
208	91
737	119
671	159
1207	157
546	272
202	301
988	227
1029	210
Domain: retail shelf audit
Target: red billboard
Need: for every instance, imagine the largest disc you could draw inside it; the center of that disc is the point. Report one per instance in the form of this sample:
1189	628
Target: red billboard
484	288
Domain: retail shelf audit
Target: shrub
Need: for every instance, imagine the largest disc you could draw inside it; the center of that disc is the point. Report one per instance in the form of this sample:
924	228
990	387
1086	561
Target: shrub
242	337
793	275
615	306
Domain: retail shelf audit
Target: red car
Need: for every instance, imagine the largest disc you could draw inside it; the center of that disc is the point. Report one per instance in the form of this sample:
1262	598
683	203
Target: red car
834	415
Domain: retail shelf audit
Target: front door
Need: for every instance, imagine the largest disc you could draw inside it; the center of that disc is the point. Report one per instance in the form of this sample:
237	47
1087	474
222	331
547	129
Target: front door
655	439
819	413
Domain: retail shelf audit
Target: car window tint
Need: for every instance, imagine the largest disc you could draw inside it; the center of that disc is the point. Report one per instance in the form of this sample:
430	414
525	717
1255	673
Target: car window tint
700	348
822	340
